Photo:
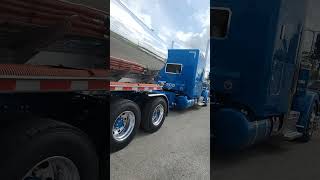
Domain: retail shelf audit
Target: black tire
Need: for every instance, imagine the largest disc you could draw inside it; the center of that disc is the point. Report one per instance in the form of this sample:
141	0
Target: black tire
26	144
147	111
307	135
117	106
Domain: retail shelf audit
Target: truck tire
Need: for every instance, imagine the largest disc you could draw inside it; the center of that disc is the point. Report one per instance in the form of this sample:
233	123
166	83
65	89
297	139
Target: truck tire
153	114
45	149
307	135
125	117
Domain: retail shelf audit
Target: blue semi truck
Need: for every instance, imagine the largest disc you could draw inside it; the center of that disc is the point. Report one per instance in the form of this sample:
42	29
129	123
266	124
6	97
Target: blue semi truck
258	76
178	85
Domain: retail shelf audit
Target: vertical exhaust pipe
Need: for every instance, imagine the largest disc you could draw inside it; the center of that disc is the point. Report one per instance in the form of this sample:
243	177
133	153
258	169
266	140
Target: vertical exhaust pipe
207	49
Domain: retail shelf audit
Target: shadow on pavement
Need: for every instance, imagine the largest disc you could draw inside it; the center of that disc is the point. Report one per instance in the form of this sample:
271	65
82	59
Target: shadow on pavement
221	160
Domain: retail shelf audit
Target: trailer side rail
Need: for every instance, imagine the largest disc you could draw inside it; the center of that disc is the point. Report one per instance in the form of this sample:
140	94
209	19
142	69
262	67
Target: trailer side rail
120	86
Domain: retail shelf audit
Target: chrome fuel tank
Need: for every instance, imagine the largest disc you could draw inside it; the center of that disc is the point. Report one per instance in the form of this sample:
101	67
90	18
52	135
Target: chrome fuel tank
132	40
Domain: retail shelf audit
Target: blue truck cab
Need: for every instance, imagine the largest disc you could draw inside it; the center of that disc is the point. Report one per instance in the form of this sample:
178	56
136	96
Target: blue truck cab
256	71
183	78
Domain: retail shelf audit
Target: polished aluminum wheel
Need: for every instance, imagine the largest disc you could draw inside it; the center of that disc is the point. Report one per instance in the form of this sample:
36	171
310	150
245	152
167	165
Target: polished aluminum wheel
157	115
53	168
123	125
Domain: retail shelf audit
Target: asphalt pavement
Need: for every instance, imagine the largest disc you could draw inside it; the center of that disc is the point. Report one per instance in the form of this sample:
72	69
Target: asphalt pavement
179	150
274	160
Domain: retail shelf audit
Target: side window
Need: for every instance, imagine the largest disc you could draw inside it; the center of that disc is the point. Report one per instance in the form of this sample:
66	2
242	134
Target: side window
220	21
174	68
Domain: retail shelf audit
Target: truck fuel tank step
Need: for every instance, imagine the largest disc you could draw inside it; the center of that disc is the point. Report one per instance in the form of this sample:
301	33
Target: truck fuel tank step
292	135
290	132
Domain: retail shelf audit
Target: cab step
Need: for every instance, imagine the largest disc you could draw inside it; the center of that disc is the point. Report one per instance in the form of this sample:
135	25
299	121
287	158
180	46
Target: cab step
292	135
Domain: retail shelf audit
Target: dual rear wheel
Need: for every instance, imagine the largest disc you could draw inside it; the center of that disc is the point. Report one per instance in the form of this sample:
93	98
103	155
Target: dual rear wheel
46	149
312	125
126	117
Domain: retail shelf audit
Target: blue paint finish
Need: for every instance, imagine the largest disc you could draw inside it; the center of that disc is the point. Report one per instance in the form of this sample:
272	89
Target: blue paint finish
119	123
184	89
205	95
189	82
171	98
233	130
253	66
182	102
304	104
304	76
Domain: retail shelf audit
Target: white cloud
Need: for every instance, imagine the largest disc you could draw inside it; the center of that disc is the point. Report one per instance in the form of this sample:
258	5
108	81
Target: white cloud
146	19
140	8
164	38
184	36
203	17
166	31
156	16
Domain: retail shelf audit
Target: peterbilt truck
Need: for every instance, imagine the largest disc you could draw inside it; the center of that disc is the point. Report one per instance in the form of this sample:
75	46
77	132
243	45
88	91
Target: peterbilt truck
258	76
157	79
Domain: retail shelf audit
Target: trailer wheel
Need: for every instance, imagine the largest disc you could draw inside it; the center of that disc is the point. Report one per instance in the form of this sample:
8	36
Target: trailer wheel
311	126
125	118
46	149
153	114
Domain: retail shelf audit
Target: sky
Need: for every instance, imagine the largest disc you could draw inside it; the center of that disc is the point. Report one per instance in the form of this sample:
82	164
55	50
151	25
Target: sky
185	22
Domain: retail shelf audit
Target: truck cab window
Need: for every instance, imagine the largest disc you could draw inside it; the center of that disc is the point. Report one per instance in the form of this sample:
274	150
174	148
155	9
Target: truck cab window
174	68
220	22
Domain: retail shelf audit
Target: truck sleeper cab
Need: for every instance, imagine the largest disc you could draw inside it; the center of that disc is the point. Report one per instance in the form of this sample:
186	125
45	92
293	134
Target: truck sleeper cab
183	78
255	67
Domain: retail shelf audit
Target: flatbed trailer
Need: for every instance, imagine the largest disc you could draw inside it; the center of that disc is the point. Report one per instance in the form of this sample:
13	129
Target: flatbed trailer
44	103
145	105
53	90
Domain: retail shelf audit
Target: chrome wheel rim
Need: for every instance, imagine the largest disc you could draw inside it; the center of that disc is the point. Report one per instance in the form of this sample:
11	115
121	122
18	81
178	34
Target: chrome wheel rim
157	115
53	168
123	125
312	124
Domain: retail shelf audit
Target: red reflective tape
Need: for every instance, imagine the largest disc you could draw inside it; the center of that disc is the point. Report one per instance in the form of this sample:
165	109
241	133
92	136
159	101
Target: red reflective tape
127	88
98	84
7	85
55	85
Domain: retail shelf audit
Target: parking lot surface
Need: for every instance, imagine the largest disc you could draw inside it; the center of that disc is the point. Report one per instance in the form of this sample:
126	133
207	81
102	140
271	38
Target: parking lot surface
274	160
179	150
